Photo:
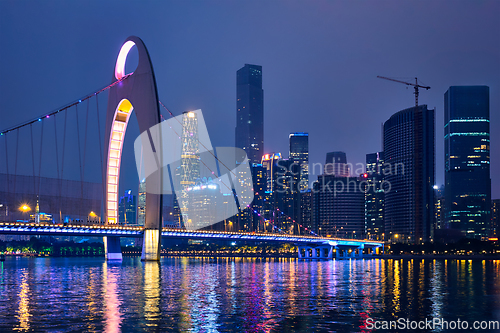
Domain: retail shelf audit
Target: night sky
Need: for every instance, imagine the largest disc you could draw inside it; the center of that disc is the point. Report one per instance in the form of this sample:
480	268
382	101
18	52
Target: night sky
320	60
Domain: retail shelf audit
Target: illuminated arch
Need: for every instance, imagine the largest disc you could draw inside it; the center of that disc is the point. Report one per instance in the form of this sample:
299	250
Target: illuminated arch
137	92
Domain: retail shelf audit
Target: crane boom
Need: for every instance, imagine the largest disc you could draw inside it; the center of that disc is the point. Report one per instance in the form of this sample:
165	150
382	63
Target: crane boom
415	86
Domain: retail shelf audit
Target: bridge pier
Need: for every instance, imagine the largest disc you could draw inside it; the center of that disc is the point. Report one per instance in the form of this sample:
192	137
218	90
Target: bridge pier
112	248
151	245
317	252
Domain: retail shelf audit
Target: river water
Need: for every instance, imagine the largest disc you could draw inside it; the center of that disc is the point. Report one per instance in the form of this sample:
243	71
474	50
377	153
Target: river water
241	294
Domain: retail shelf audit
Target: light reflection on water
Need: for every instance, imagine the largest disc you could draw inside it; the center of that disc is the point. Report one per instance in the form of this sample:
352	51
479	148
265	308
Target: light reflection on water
240	295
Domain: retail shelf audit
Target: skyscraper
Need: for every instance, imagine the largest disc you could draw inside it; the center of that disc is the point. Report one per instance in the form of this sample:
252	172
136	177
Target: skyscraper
374	196
339	206
190	165
141	203
249	131
409	173
336	164
467	160
299	153
127	208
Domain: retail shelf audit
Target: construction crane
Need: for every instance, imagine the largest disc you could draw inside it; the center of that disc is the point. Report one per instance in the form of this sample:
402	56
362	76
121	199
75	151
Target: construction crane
415	86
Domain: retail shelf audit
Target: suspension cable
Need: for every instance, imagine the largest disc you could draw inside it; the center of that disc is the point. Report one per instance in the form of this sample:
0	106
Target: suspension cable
100	155
7	165
64	108
33	159
40	164
57	162
79	158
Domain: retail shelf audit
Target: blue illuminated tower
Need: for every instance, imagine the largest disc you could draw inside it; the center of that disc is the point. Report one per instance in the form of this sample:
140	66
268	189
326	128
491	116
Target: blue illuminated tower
467	160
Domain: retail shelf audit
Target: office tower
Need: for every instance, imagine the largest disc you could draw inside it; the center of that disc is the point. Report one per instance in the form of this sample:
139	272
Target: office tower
282	196
438	207
409	175
127	208
336	164
339	206
249	131
259	177
189	170
306	212
467	160
141	203
374	196
299	153
495	218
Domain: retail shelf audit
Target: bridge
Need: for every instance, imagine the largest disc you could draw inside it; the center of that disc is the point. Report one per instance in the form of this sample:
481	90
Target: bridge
309	247
137	91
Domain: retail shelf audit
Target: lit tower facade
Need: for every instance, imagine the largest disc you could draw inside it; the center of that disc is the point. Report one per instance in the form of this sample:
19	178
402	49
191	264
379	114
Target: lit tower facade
374	196
467	160
299	153
249	131
409	172
190	162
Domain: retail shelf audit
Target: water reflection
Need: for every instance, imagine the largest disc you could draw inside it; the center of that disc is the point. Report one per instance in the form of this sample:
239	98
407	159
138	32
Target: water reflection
23	313
241	294
113	317
152	291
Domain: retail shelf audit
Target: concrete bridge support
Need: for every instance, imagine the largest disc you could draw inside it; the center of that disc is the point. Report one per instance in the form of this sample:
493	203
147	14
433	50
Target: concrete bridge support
315	252
112	248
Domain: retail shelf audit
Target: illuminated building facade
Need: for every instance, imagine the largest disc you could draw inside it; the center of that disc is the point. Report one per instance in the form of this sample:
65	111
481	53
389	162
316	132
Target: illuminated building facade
190	162
299	153
467	160
409	174
141	203
374	197
495	218
336	164
249	132
127	209
339	206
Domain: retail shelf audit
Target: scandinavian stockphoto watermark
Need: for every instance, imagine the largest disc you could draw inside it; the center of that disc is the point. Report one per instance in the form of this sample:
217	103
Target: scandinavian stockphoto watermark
368	180
431	324
209	183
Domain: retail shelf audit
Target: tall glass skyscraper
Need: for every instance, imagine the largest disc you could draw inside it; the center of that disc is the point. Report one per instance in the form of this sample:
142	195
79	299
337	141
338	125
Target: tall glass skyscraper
467	160
374	196
409	172
249	131
299	153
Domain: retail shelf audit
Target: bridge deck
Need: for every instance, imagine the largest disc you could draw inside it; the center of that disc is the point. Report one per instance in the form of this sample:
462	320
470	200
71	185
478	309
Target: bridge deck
40	229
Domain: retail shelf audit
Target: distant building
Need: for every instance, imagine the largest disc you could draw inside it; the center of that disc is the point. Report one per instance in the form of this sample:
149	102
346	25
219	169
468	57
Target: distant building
249	132
339	206
336	164
409	175
374	196
141	203
299	153
306	212
495	218
438	207
58	198
259	177
467	160
127	209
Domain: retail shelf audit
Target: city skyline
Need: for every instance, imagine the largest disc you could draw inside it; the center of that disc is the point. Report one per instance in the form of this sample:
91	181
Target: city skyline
299	97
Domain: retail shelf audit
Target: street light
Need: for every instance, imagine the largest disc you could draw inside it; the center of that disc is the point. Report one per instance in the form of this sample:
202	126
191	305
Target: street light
24	208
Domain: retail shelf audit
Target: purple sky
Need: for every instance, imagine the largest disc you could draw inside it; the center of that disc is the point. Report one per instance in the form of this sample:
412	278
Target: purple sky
320	61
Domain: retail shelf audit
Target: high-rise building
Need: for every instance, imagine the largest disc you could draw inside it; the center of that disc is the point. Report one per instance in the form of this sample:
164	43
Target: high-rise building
438	207
409	172
336	164
495	218
339	206
374	196
259	177
249	131
467	160
141	203
299	153
127	209
190	165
